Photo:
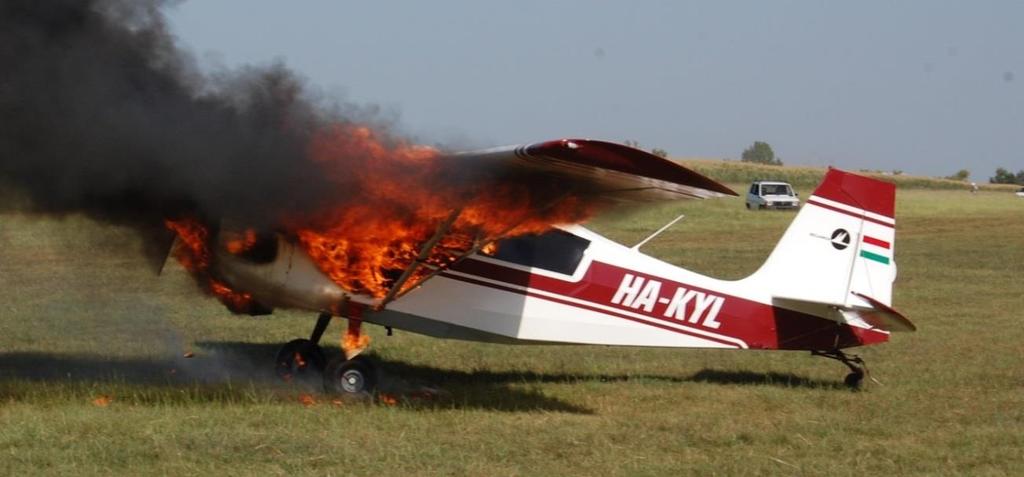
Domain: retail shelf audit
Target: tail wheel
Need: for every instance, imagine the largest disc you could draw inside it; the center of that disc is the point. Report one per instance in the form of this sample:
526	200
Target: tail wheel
857	367
353	377
299	358
854	379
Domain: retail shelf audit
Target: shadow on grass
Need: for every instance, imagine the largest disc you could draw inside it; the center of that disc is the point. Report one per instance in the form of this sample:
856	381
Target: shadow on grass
457	381
788	380
241	372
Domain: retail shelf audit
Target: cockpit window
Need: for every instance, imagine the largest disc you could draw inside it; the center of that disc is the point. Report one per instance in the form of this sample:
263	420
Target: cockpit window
557	251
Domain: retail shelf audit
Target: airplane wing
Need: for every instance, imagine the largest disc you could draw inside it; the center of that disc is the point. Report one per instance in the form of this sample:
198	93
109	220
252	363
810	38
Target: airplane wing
611	171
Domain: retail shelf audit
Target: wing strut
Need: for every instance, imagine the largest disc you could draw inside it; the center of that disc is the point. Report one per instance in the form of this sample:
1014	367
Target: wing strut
658	232
396	290
421	259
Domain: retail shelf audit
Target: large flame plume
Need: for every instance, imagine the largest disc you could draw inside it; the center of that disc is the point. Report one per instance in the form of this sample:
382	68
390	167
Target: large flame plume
363	243
400	194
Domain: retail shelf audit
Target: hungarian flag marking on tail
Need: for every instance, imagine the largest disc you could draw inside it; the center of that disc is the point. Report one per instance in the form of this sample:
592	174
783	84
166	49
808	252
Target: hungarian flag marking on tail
876	249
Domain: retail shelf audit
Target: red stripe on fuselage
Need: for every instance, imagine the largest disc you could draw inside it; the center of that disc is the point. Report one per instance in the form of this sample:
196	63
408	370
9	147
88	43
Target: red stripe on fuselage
586	307
758	325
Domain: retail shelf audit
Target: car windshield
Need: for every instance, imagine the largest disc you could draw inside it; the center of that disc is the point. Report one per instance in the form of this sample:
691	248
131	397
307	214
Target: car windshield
775	189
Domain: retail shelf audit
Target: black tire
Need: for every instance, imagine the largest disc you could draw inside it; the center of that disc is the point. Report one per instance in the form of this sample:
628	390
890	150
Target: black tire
355	377
299	358
748	205
854	379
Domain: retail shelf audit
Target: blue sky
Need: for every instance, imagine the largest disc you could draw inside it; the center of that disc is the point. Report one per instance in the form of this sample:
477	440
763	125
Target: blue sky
927	87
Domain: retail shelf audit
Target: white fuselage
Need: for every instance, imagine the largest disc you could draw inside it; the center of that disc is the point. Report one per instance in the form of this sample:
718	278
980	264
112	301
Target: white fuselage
614	295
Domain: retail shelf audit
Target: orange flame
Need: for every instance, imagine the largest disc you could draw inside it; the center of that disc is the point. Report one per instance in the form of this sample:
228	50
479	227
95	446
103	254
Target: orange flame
354	340
300	363
404	195
240	243
194	254
490	249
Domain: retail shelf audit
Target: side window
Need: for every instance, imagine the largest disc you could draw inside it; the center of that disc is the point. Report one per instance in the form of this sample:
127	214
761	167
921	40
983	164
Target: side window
753	189
556	251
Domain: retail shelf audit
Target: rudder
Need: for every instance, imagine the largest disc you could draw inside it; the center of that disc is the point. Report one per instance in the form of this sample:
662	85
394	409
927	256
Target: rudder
839	246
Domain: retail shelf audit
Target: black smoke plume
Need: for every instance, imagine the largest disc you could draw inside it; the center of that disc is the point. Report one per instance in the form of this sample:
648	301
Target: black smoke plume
101	113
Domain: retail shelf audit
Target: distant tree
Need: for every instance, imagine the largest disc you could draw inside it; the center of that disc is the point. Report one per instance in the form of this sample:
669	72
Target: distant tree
760	153
960	175
632	143
1004	176
659	152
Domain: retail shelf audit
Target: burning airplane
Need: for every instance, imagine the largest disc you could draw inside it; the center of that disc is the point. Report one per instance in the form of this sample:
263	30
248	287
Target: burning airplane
278	201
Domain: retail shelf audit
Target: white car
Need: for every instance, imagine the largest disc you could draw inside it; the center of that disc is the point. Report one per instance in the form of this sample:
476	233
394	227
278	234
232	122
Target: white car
771	195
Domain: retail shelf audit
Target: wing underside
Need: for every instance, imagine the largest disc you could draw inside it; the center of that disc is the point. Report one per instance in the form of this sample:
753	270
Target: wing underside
608	170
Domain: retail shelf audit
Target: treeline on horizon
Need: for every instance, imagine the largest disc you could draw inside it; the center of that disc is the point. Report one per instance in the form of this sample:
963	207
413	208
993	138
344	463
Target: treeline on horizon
733	172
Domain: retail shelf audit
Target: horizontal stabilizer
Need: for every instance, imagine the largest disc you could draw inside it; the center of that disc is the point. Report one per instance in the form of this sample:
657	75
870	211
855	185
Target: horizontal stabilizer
883	316
874	313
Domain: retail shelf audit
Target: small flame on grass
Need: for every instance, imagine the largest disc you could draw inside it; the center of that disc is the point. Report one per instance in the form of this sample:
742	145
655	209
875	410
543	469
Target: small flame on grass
307	400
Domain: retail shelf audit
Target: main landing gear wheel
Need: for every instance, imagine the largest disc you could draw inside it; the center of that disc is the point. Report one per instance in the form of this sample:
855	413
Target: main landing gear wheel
299	358
354	377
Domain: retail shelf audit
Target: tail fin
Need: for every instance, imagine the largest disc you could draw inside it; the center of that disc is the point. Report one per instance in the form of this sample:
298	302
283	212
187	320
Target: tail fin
839	247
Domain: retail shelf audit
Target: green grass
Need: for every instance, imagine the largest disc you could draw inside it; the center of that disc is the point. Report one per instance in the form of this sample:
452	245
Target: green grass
808	177
81	317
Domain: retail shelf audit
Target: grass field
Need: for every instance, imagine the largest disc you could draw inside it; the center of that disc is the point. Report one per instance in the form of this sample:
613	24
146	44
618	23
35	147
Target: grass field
93	378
